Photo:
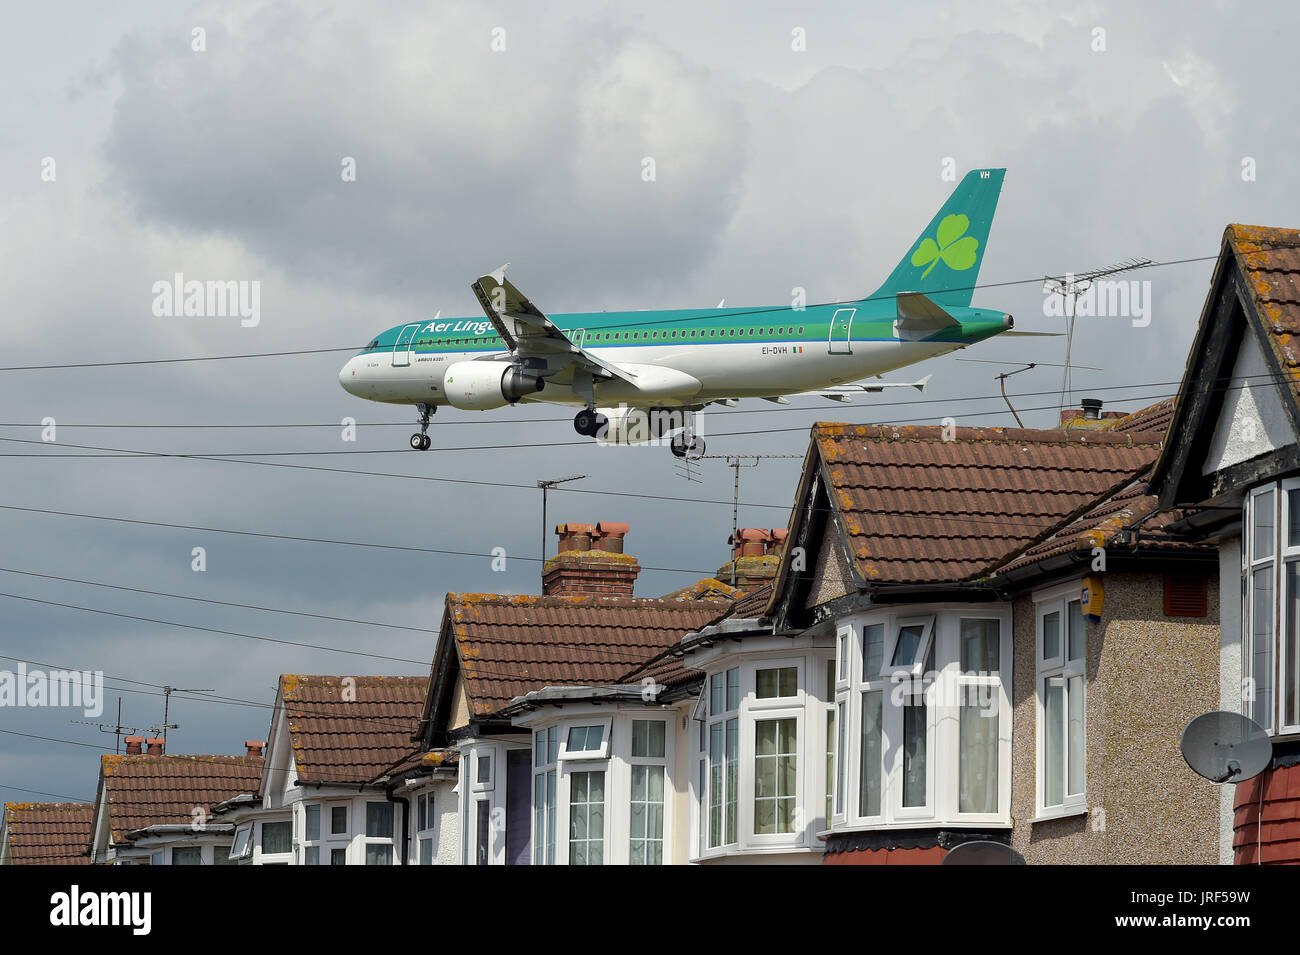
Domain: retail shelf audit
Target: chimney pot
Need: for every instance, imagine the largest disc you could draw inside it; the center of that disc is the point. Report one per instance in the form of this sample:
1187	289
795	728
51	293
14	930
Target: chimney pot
155	744
134	745
608	536
253	747
1091	408
581	568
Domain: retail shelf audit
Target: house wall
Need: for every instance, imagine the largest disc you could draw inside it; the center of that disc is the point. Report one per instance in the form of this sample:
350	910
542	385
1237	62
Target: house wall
1229	671
459	716
1147	676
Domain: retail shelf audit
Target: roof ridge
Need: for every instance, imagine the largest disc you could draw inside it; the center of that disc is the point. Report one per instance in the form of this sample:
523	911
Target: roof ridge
964	434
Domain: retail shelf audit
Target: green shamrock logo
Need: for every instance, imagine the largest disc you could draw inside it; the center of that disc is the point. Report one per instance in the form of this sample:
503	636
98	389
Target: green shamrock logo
955	247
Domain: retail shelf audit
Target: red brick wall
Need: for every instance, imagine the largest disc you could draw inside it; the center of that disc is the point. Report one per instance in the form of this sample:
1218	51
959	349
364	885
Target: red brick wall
932	856
1276	840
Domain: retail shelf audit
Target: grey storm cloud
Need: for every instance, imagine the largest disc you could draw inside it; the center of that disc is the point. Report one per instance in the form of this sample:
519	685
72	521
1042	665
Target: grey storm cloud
463	155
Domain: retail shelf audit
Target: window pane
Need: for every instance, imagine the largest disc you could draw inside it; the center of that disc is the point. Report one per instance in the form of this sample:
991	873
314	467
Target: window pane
1074	767
539	749
842	654
839	769
733	688
873	650
716	770
648	738
377	854
980	645
647	815
539	819
550	818
978	759
338	857
733	779
1053	741
1051	635
426	852
775	782
1261	645
914	753
587	818
483	763
1291	647
776	682
312	855
338	820
1293	518
716	698
869	771
1263	526
1077	638
276	837
187	855
909	644
379	820
482	845
830	763
313	823
221	856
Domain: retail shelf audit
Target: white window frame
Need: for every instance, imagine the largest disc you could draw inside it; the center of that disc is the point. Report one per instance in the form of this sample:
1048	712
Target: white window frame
893	632
721	718
365	840
665	834
600	752
239	851
480	752
1274	718
426	828
564	804
300	824
548	771
1057	600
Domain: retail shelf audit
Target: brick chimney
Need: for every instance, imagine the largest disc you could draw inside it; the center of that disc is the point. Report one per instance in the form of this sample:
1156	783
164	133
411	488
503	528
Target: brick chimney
134	745
755	554
254	747
590	562
155	746
1088	417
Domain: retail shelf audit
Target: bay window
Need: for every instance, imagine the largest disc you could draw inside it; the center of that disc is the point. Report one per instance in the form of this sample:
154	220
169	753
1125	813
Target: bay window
379	833
1271	607
924	719
1061	652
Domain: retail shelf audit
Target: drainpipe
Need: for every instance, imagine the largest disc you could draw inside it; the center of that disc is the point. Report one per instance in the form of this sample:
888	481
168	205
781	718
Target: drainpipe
406	822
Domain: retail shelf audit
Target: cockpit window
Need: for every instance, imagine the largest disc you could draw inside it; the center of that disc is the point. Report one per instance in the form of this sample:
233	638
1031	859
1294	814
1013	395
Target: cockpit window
373	345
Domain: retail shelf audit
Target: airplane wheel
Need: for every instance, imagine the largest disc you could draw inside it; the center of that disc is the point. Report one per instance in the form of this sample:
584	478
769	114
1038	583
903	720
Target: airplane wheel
677	447
601	428
585	422
426	442
417	442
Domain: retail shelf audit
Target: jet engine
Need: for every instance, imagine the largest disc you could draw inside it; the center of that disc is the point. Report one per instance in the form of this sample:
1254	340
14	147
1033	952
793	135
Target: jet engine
482	385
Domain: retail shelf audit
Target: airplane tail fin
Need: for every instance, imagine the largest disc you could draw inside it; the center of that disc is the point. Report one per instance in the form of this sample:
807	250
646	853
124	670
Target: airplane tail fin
944	262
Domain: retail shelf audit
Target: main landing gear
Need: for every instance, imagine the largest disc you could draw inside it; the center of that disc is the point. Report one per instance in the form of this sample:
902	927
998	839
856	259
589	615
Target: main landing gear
589	423
422	441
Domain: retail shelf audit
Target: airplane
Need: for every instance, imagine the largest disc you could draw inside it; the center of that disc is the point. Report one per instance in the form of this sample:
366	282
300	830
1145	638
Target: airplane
640	375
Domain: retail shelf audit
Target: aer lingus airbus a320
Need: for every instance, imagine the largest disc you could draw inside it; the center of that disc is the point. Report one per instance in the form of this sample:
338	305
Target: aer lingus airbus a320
639	375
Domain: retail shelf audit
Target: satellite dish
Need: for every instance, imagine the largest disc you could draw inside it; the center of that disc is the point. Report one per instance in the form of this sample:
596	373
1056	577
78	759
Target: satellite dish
983	852
1226	747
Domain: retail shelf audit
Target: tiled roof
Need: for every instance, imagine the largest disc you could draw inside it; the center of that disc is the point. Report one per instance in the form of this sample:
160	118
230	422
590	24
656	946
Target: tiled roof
49	833
752	604
920	509
351	729
1155	419
165	790
1270	262
509	646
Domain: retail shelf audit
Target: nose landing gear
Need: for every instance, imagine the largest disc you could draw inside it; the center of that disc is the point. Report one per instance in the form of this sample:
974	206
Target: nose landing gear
422	441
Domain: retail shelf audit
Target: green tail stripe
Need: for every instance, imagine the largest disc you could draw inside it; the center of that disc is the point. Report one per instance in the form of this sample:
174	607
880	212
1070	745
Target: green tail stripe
944	261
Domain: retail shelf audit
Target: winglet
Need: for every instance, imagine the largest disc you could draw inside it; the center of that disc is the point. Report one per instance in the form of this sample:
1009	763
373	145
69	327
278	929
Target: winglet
499	274
920	385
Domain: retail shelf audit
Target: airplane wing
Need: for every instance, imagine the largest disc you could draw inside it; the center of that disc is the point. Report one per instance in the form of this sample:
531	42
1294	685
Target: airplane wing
528	333
846	392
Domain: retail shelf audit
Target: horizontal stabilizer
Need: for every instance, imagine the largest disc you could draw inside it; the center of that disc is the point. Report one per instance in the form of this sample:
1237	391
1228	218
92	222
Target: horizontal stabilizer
1031	334
918	312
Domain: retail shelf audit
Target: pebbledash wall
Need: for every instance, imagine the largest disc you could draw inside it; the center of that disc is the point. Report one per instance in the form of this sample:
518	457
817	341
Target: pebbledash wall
1147	675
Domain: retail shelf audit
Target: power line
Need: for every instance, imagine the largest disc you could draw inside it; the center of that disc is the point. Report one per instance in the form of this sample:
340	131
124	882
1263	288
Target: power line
703	313
40	792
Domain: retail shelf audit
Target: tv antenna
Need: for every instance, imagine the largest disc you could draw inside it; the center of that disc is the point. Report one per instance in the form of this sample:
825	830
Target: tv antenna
1072	285
546	487
117	729
1002	378
736	462
167	699
1227	747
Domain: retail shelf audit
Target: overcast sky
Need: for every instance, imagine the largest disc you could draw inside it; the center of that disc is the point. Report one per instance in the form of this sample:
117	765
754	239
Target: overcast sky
776	168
